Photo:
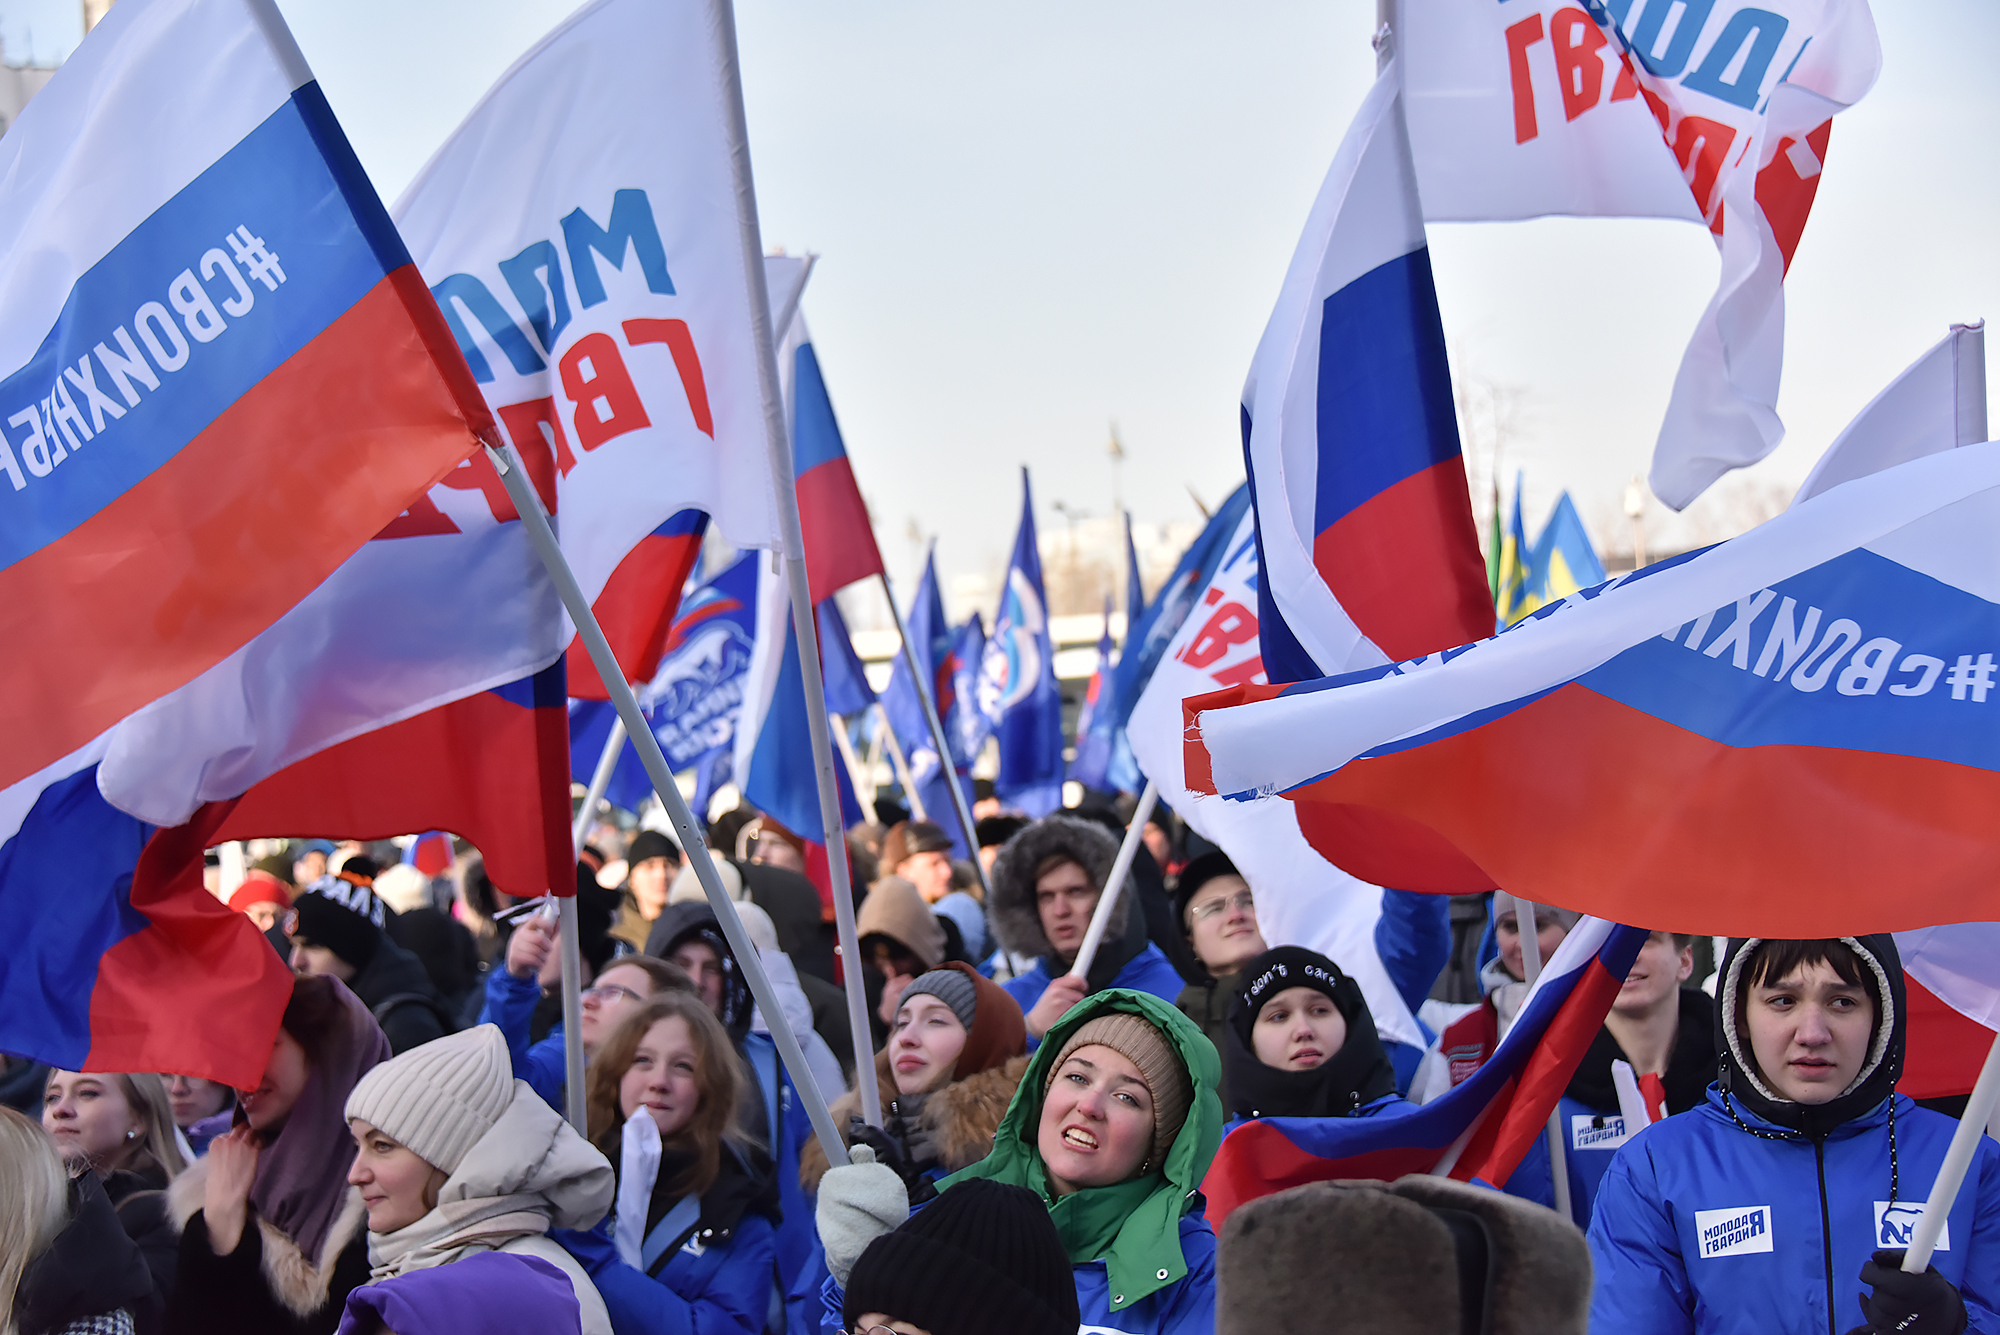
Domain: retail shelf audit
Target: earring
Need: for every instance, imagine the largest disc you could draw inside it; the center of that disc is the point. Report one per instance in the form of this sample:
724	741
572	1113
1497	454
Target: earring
131	1135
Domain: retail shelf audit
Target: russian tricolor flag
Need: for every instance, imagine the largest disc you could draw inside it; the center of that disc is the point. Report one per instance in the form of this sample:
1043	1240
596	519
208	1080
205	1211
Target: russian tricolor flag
639	602
1350	435
1479	1130
1789	734
229	376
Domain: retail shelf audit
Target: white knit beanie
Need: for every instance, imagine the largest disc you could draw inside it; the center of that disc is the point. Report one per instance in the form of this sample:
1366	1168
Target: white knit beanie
439	1099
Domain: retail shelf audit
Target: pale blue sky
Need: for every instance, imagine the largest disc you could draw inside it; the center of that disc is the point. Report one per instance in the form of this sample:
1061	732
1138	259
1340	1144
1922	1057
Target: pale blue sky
1036	218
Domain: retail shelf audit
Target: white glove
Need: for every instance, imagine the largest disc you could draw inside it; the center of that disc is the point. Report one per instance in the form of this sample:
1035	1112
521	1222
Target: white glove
639	1154
857	1204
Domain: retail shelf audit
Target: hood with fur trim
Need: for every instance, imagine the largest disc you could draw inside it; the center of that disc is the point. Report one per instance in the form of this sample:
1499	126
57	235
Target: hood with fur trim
1739	1078
1011	908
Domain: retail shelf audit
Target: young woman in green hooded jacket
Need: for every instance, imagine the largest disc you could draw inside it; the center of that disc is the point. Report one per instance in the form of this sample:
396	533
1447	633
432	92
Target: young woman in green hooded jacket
1113	1126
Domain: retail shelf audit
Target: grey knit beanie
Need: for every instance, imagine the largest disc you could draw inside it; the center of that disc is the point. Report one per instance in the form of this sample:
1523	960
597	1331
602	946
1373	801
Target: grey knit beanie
951	987
438	1099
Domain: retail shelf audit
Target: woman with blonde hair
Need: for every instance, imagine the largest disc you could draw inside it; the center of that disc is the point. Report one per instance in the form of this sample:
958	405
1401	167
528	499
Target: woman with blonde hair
455	1158
65	1264
691	1242
120	1125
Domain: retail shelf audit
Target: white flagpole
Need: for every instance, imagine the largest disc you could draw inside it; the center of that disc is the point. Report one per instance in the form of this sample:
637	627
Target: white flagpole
536	523
1531	965
1100	918
901	764
1951	1176
571	942
600	779
1968	368
846	745
926	694
723	23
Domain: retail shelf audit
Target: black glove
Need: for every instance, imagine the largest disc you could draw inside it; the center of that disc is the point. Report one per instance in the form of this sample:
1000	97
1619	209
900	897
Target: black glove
908	1125
1905	1304
891	1152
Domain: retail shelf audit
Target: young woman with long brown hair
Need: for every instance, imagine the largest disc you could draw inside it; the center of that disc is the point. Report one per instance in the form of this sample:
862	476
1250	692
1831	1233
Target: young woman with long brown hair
690	1243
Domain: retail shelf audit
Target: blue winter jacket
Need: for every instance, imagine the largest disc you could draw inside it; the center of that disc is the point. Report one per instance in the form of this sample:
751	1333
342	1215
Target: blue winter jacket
1185	1307
711	1286
1148	971
1704	1227
510	1006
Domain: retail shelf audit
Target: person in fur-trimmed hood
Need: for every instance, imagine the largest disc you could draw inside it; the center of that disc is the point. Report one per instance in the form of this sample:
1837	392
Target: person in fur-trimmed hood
954	1056
1046	883
272	1238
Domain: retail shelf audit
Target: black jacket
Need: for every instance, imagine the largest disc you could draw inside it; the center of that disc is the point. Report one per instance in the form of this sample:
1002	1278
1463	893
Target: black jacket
240	1292
91	1269
1689	1072
397	991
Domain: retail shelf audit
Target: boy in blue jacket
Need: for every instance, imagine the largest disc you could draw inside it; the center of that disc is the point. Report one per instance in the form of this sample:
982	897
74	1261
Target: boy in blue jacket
1784	1202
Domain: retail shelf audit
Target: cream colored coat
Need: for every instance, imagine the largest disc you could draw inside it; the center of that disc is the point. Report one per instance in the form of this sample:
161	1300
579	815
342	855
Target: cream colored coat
527	1175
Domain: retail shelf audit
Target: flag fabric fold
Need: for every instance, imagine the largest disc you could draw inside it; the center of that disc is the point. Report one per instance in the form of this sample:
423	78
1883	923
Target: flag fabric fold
1492	1119
1715	113
211	273
1760	735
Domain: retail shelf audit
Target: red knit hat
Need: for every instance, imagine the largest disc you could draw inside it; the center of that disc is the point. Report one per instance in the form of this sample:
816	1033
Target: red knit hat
260	887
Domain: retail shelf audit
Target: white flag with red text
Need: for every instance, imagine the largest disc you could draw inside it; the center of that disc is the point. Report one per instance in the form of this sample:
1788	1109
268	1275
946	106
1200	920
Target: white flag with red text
1715	111
1302	899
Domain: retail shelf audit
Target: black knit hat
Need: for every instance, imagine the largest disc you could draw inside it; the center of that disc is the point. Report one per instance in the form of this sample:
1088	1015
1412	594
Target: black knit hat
648	844
1195	875
344	917
982	1258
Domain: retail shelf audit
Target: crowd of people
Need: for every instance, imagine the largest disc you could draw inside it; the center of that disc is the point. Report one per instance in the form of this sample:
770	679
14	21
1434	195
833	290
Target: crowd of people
404	1164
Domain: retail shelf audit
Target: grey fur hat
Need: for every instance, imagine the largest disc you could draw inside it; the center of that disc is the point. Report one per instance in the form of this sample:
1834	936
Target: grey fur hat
1011	911
1412	1254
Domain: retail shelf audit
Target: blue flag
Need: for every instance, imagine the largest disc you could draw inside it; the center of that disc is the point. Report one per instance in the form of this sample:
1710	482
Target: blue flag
693	701
967	727
1017	681
931	640
847	691
1146	639
1094	733
1135	588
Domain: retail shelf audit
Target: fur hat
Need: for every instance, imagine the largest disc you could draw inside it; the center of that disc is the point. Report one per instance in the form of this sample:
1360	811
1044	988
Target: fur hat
1411	1254
440	1098
1166	1079
403	888
1011	910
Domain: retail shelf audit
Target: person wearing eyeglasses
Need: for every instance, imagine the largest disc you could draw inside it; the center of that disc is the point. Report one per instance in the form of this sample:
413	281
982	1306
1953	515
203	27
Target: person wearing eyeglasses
512	991
1218	911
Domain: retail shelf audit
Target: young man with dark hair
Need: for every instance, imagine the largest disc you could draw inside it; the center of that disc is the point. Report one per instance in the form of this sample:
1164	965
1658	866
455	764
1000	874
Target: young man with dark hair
1666	1033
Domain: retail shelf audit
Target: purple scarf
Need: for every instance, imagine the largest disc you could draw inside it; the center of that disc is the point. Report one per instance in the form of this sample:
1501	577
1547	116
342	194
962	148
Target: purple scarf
301	1179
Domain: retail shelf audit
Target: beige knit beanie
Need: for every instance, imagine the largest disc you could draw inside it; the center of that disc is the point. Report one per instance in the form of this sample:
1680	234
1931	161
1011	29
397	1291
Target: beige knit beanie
1159	1065
439	1099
